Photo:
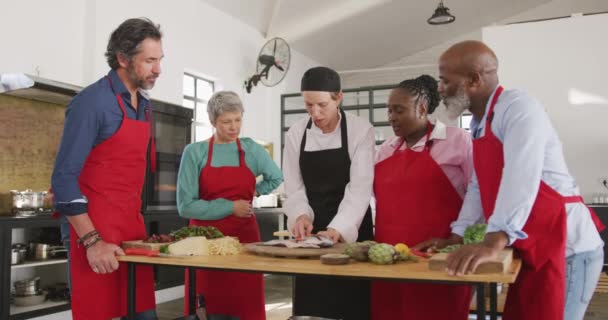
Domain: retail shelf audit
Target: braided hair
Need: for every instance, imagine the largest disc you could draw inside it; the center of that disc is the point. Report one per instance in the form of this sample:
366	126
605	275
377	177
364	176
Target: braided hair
424	87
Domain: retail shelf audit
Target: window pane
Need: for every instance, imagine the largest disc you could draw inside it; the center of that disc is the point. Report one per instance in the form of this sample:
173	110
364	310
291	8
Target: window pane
381	115
290	119
381	96
204	89
201	112
355	98
363	113
188	104
202	132
188	85
294	103
383	133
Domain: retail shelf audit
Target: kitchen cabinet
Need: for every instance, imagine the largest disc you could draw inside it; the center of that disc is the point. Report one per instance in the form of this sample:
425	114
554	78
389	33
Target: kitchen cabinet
51	271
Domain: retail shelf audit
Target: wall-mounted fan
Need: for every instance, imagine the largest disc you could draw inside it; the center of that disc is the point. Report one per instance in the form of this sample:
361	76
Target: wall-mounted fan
272	64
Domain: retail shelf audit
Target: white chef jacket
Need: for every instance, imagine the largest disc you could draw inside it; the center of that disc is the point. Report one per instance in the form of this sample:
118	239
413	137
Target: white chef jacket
357	193
532	152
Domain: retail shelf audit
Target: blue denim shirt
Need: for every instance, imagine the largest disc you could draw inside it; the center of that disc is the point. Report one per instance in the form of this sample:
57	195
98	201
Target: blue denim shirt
91	117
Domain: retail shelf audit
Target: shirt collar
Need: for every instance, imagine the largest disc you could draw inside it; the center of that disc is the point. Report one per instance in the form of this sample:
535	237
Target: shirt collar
439	133
120	88
474	125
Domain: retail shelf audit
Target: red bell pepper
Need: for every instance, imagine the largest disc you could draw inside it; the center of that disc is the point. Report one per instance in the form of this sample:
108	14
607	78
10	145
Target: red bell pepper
142	252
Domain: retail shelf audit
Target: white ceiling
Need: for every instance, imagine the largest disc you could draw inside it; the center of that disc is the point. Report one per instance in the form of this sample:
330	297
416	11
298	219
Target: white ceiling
355	34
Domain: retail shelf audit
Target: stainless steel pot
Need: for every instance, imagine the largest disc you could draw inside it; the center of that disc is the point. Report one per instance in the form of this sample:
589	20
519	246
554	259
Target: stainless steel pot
18	255
47	251
28	199
27	287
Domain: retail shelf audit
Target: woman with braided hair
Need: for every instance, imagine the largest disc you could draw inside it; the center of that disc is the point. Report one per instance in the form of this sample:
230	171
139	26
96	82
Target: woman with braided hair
420	178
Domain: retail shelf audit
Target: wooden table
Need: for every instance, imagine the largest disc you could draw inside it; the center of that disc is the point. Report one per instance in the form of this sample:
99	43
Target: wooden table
407	272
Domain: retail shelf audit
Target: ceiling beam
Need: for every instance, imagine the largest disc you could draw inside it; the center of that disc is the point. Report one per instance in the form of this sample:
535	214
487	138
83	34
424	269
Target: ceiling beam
273	18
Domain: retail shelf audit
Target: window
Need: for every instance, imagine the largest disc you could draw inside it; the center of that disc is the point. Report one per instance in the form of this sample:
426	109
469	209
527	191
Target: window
197	92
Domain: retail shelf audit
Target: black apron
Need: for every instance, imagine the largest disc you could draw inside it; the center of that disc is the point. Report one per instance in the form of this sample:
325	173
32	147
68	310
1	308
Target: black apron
325	174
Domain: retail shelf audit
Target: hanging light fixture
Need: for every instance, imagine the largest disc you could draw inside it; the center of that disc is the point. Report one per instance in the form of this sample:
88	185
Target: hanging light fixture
441	16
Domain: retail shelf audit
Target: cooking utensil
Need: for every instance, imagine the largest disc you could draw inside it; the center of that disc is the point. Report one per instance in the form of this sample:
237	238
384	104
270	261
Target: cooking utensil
31	300
18	255
45	251
28	199
27	287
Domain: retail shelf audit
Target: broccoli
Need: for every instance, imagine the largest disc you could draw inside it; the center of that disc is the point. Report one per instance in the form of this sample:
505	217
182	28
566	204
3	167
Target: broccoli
474	233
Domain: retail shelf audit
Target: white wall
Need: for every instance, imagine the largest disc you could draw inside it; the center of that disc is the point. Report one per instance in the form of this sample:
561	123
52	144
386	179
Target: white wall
197	37
43	37
554	61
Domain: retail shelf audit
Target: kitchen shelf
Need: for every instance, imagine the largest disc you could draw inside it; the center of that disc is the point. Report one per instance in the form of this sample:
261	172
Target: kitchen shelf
15	310
29	264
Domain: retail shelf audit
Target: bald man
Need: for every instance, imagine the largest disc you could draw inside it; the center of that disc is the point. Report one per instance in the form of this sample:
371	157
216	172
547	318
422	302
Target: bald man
522	188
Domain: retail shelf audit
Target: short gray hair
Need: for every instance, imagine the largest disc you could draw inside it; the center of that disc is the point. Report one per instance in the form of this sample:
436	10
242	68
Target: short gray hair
223	101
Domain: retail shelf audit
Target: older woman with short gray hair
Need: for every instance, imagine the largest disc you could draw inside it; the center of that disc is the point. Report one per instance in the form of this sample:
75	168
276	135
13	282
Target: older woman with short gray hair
215	187
223	101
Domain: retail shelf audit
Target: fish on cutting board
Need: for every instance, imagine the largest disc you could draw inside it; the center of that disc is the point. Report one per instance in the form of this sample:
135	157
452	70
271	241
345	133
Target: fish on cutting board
308	242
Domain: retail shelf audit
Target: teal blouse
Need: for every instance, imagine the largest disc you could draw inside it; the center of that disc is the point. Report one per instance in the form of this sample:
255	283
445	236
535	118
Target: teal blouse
194	159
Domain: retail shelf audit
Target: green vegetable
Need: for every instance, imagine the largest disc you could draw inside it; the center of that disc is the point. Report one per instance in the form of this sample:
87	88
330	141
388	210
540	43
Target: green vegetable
164	249
448	249
208	232
474	233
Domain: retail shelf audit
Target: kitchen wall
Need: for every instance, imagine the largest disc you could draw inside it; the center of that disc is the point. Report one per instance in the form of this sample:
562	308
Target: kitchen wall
29	135
197	37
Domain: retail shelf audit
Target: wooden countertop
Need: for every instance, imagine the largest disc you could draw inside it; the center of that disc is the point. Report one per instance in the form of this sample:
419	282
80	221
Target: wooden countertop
255	263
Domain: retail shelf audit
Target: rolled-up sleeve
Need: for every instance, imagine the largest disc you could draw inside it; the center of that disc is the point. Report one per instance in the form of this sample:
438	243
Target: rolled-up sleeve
82	122
358	191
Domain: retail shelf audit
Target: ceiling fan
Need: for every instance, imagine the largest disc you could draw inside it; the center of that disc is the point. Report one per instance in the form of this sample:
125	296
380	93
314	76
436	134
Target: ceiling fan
272	64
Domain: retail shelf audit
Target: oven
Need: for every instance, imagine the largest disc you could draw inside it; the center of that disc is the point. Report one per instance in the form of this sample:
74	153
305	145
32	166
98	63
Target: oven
172	131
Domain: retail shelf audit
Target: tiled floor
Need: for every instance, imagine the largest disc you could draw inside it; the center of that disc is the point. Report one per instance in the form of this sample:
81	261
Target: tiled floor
278	302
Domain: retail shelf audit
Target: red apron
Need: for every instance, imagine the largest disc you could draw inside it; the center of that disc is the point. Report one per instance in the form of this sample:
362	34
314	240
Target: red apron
415	201
112	179
538	292
230	293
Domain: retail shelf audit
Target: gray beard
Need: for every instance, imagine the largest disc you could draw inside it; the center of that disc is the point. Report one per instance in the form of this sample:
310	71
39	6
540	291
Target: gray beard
457	104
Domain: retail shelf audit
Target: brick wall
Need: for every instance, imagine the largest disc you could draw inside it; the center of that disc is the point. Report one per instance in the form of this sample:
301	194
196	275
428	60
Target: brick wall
29	137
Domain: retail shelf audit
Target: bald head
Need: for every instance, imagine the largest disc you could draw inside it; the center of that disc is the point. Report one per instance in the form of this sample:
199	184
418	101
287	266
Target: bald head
469	57
467	70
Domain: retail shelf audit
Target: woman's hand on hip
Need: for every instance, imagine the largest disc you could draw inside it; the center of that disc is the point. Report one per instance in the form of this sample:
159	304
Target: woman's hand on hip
102	257
303	227
242	208
332	234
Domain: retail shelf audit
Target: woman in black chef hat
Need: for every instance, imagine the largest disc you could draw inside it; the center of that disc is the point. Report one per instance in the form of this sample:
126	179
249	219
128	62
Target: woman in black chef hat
329	171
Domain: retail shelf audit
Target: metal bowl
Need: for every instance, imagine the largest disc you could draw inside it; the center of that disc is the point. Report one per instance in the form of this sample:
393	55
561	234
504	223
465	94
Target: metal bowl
28	287
24	301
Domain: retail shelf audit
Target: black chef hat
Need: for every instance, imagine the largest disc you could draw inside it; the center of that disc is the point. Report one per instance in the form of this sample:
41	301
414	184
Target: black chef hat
320	79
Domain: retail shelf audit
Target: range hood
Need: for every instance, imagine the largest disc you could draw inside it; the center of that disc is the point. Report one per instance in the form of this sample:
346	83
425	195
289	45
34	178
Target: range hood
36	88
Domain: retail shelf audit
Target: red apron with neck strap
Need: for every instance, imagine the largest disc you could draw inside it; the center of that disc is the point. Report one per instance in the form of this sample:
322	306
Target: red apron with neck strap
230	293
415	201
538	292
112	179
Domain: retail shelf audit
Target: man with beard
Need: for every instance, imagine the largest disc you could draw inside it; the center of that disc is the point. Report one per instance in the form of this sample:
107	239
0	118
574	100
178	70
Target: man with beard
99	174
522	188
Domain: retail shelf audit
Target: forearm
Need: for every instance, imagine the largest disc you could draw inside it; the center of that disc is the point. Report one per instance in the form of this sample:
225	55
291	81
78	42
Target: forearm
82	224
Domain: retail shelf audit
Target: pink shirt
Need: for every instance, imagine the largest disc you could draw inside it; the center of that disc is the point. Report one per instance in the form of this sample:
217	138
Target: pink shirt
452	150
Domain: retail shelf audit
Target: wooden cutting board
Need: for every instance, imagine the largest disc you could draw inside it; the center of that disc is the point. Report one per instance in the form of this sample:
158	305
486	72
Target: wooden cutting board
142	244
283	252
501	264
